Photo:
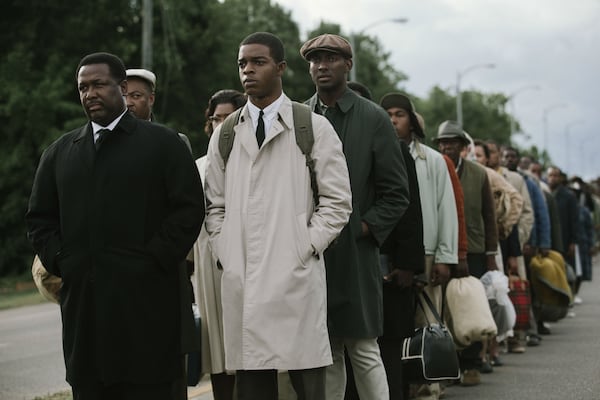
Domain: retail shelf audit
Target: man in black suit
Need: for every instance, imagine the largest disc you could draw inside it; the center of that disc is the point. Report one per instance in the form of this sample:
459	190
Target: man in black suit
115	206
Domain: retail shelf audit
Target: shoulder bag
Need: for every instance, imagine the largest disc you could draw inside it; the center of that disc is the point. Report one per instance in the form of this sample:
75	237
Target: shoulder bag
430	354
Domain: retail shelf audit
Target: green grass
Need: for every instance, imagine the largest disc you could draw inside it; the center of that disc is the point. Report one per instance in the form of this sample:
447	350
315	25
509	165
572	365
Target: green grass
17	291
21	298
66	395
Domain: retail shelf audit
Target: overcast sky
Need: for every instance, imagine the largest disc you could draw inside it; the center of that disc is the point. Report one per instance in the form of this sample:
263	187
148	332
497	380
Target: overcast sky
552	44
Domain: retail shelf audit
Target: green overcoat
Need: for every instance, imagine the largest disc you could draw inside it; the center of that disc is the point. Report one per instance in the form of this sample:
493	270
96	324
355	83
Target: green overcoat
380	195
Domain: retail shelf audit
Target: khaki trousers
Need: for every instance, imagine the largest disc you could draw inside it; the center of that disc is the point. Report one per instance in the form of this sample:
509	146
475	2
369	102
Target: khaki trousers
369	373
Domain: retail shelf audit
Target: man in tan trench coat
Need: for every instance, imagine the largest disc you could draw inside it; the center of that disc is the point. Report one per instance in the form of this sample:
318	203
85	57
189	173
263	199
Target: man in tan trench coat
269	237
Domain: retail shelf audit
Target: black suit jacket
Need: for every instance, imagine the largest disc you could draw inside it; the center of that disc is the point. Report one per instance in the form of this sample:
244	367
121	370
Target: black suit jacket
116	225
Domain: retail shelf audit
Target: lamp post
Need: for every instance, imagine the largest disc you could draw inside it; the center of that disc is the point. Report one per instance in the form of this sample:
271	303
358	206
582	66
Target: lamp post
355	44
511	99
567	143
147	28
545	122
459	76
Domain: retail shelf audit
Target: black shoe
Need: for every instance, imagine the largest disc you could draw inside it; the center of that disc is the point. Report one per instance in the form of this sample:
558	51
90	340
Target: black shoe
496	362
486	367
542	330
534	340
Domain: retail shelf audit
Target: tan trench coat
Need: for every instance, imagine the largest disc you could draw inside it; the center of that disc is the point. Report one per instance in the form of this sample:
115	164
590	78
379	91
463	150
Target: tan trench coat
270	241
207	285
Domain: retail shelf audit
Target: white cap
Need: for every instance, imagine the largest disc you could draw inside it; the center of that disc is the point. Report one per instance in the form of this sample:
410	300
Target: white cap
143	74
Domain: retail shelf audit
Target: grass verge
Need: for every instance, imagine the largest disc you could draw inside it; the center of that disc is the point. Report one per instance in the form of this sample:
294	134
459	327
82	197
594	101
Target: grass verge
17	291
65	395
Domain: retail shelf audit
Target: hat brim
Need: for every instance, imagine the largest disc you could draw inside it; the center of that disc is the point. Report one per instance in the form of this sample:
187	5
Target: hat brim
465	141
327	49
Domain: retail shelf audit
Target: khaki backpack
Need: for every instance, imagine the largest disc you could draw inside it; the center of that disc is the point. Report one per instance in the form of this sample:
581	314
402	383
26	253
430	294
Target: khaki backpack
304	139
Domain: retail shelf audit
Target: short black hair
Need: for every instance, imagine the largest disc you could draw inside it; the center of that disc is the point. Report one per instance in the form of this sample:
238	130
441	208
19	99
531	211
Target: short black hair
274	44
361	89
486	149
510	148
115	65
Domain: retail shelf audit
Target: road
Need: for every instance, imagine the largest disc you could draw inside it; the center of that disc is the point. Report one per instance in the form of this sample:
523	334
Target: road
565	367
31	361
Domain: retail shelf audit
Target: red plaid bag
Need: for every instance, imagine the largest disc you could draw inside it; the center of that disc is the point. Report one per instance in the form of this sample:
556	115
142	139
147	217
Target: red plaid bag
521	299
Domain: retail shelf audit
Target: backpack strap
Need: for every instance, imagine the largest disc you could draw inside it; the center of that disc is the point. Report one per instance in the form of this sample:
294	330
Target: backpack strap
305	140
303	130
228	134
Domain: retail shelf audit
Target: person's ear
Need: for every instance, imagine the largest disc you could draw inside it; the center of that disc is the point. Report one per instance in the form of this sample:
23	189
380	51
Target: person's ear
349	64
123	86
281	66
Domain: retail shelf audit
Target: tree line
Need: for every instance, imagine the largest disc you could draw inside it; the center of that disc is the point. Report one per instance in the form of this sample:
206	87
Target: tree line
195	47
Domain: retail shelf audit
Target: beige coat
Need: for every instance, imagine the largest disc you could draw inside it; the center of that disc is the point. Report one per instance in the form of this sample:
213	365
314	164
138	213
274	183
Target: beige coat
270	241
526	219
509	203
207	285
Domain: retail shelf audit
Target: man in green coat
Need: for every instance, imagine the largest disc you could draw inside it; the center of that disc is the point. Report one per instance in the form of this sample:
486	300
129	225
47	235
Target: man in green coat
379	198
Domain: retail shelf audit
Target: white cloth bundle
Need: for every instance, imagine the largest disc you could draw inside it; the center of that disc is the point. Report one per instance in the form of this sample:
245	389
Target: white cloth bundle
470	318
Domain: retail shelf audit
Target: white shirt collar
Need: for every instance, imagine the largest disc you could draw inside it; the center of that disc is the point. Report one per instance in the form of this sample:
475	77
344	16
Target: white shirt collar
270	113
96	127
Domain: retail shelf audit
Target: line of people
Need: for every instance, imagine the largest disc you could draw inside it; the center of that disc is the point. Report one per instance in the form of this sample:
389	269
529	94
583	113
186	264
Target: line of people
470	219
324	221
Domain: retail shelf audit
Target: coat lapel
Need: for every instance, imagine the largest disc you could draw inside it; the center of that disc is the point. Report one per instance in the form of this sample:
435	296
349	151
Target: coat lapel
284	120
244	132
84	144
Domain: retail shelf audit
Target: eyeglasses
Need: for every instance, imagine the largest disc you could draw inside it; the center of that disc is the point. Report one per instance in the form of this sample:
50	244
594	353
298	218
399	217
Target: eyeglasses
217	119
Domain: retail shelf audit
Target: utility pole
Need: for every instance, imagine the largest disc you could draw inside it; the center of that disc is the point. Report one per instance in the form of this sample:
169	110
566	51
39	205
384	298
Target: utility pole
459	76
511	100
356	44
147	28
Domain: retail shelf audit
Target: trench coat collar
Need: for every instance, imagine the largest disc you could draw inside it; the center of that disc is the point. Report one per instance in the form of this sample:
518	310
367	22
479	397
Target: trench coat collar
246	133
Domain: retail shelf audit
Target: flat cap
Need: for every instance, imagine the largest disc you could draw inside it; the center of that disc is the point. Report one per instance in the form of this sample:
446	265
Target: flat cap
326	42
399	100
451	130
143	74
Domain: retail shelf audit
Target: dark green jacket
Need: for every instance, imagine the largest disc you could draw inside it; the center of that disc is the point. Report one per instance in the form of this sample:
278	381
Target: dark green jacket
380	195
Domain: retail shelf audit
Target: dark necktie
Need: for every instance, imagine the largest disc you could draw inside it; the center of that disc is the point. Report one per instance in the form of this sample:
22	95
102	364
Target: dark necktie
101	137
260	129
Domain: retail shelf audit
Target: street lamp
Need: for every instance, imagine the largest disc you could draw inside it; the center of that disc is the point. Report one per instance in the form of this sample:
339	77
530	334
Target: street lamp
459	75
354	44
567	142
545	122
511	98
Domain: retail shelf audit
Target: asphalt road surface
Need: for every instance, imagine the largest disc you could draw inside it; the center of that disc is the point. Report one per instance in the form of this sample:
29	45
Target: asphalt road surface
31	361
565	367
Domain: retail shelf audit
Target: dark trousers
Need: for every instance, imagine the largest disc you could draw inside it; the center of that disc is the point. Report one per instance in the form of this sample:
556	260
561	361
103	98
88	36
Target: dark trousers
124	391
309	384
222	386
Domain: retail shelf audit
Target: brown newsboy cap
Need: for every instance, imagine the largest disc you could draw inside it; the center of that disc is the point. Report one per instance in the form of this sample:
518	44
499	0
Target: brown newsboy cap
327	42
